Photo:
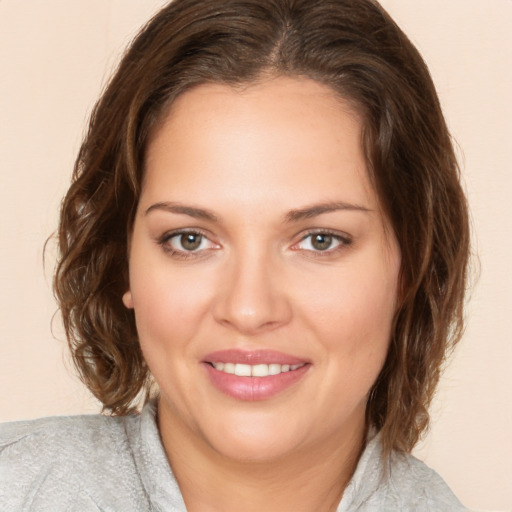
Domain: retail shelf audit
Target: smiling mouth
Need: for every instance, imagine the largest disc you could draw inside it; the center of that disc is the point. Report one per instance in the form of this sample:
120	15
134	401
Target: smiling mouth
256	370
254	375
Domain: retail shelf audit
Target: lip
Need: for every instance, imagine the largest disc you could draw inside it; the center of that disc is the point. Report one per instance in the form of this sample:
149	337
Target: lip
252	357
253	388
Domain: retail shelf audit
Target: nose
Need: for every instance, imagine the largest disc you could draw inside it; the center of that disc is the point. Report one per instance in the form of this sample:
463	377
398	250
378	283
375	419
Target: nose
252	298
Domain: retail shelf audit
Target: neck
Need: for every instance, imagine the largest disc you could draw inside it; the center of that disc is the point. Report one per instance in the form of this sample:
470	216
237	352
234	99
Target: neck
311	479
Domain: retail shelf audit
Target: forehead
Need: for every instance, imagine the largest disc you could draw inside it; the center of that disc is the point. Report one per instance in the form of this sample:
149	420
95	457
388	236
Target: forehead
281	135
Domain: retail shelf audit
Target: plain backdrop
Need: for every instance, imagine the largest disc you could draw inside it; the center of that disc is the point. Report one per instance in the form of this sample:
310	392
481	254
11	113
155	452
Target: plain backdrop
55	57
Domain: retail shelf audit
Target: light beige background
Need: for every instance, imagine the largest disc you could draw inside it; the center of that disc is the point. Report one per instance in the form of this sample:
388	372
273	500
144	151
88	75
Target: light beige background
55	55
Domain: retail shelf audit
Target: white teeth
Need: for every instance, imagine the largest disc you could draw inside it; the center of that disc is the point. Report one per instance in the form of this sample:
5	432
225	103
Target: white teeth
243	370
274	369
260	370
257	370
229	368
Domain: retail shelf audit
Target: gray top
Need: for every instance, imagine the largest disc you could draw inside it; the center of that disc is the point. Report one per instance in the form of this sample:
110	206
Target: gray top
97	463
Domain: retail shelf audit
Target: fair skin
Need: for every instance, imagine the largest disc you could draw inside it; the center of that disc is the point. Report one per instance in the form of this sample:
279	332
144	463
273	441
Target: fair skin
258	238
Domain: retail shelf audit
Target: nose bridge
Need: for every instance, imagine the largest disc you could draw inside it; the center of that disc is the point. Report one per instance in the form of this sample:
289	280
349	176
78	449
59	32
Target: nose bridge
251	297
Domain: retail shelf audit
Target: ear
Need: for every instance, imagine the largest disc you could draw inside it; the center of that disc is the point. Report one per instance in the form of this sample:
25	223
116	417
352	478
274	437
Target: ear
128	300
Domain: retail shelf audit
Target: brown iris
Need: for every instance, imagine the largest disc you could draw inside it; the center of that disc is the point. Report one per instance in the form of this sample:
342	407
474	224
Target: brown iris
190	241
321	242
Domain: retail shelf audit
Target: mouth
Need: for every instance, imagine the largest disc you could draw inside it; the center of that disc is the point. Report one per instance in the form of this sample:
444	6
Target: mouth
254	375
256	370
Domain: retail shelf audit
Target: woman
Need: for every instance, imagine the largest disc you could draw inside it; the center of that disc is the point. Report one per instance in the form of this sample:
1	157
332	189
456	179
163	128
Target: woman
266	241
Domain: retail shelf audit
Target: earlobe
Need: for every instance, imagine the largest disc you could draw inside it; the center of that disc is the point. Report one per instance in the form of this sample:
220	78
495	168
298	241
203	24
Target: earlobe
128	300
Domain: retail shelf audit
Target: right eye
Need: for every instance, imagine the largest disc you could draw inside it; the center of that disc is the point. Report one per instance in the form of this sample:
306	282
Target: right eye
185	243
188	242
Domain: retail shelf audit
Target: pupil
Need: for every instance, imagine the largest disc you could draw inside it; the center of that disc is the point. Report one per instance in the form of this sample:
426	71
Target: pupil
322	242
190	241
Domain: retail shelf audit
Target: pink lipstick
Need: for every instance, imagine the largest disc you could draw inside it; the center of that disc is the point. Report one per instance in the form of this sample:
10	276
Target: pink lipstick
253	375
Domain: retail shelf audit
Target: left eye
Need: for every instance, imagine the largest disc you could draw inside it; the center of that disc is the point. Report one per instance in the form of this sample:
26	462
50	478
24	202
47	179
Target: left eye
188	242
320	242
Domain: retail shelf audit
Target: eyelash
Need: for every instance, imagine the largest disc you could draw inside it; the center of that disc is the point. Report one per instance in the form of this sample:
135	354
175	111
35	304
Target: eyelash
163	241
343	242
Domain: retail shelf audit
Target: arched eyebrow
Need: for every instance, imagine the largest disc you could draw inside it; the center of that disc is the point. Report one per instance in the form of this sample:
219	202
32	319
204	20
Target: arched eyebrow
292	216
191	211
319	209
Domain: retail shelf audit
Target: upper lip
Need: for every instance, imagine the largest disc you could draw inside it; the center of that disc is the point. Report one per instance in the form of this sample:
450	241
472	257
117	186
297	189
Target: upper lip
252	357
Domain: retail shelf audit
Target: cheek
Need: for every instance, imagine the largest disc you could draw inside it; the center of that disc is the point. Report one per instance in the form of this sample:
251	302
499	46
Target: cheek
352	313
168	304
354	302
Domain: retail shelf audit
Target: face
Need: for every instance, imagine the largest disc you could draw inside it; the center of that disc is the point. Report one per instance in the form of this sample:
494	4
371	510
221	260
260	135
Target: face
263	274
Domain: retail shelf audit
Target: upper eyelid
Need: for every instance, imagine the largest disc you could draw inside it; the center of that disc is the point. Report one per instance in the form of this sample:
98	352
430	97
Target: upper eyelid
334	233
302	235
344	241
169	235
181	231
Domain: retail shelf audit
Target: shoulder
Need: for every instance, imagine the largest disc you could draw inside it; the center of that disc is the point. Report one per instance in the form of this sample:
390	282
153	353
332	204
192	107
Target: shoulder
397	482
63	460
13	433
410	481
66	439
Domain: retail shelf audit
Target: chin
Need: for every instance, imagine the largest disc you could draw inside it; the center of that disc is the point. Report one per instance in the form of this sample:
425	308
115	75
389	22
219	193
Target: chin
257	440
242	448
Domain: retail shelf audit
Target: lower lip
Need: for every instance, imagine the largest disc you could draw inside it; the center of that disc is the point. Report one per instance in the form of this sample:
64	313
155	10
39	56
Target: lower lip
254	388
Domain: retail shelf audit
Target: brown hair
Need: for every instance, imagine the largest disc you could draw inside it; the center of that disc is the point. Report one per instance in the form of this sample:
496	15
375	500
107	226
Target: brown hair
354	47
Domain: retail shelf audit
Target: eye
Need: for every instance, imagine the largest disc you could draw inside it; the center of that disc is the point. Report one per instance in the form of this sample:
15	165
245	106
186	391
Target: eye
188	241
185	243
322	241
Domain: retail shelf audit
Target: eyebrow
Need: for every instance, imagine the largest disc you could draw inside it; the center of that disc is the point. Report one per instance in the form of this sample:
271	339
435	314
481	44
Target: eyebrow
319	209
292	216
197	213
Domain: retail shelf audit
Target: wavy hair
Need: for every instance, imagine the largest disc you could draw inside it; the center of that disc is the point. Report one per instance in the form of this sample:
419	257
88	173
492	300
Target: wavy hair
355	48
